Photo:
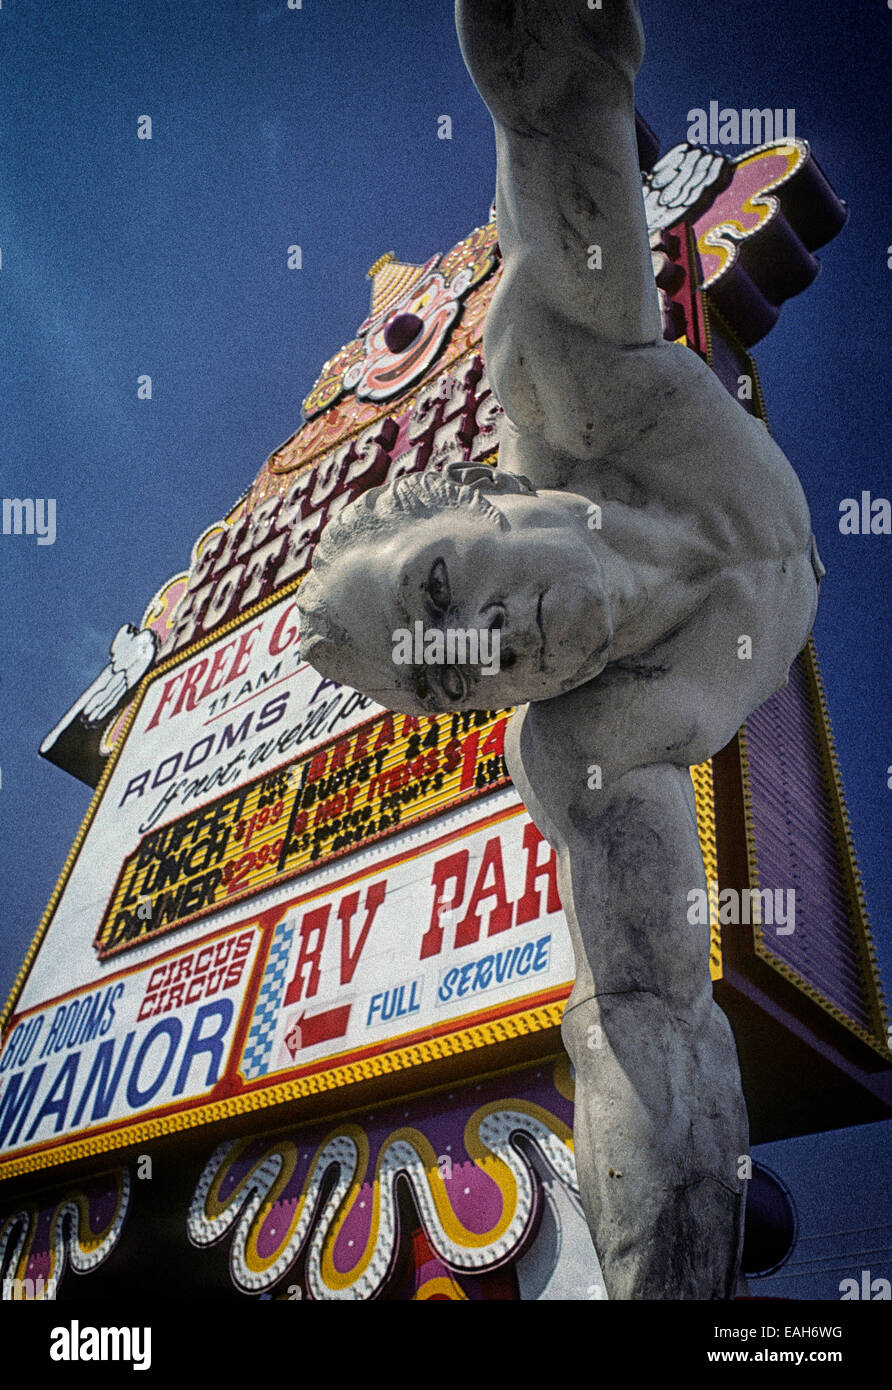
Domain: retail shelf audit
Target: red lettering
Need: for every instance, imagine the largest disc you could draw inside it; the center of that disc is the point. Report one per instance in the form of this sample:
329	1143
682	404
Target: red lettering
149	999
494	743
375	894
243	942
339	755
189	692
317	765
312	939
385	734
500	917
455	867
360	750
166	694
243	653
216	668
529	905
222	952
452	755
282	638
327	810
182	969
195	990
397	777
469	761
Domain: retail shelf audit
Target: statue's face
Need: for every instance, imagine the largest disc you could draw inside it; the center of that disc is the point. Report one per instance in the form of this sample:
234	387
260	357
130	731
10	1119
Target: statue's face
538	586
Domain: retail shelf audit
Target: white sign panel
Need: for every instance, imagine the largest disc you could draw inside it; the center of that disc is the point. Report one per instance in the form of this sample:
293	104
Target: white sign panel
140	1041
415	943
242	705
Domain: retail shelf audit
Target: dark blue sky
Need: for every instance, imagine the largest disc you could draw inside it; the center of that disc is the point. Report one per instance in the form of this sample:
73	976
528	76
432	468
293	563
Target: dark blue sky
168	257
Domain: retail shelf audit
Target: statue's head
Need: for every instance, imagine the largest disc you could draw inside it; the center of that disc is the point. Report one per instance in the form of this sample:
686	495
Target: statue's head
506	576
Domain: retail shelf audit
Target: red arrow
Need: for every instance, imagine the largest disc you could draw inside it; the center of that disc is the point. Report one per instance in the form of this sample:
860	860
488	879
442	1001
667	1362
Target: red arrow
307	1031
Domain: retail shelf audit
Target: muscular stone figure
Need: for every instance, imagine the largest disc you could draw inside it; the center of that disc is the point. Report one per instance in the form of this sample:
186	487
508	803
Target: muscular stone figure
619	644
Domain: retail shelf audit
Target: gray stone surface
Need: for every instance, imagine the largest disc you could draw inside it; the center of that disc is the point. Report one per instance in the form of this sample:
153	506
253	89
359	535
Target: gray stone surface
639	526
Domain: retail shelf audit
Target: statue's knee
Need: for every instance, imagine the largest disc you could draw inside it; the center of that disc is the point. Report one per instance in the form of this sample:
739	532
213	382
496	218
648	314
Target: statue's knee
593	1037
577	1020
622	1029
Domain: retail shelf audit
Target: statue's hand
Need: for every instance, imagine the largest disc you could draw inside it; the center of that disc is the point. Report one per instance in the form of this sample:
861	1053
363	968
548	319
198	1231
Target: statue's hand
526	56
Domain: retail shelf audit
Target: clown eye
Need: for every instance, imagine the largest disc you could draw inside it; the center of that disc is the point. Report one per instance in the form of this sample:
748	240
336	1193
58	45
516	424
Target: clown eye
438	591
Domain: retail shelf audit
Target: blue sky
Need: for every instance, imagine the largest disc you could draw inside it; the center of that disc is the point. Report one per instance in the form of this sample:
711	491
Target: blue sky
319	126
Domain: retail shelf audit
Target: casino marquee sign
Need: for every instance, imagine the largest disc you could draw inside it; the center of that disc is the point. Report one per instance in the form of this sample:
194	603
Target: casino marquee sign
284	895
286	882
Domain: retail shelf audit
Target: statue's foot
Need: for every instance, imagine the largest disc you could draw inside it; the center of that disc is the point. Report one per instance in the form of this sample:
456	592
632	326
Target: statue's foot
528	56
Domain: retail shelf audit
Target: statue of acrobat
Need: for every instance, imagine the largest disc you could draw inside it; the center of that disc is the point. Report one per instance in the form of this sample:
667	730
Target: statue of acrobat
619	643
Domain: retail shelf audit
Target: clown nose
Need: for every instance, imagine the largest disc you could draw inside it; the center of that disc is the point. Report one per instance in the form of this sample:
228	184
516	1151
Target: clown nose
402	330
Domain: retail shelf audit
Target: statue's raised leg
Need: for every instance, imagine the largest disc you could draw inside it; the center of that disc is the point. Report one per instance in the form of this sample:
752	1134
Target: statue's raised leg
577	279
